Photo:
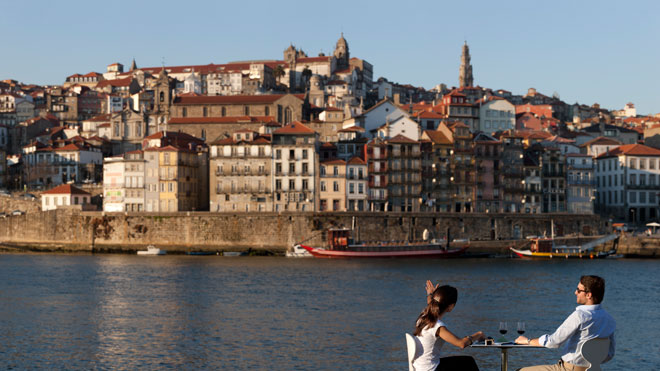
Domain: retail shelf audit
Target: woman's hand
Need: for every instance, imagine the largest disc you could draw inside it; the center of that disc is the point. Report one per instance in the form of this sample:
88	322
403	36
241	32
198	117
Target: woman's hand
430	288
479	336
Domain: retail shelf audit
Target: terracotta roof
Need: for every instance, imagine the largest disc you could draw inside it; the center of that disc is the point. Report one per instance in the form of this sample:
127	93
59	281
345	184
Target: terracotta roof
69	147
295	127
221	120
428	115
332	109
116	82
333	161
233	99
66	189
100	118
328	145
437	137
356	161
401	139
601	141
631	150
351	129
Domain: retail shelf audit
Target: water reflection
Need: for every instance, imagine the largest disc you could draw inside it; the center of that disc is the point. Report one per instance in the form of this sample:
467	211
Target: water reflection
128	312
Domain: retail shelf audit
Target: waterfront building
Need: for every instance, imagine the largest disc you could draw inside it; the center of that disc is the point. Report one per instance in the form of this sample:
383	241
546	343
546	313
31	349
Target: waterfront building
489	182
404	183
580	184
332	185
240	177
177	172
124	182
74	162
376	155
66	195
553	177
381	113
533	191
437	148
628	183
512	171
350	142
462	169
295	164
496	114
356	184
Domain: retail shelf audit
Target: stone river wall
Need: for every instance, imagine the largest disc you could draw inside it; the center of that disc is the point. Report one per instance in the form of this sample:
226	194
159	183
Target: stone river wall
72	230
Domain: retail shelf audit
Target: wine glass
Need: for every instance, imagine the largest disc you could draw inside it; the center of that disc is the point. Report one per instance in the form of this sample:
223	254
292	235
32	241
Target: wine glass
521	327
503	328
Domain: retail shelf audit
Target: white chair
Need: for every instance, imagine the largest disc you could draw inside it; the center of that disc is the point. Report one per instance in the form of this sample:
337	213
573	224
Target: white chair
411	344
595	351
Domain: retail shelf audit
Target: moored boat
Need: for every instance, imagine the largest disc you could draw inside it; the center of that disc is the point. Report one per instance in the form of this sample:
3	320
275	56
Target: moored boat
152	250
341	245
298	251
545	248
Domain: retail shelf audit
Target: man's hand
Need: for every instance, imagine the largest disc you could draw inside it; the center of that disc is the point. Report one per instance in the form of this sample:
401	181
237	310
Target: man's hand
430	288
522	340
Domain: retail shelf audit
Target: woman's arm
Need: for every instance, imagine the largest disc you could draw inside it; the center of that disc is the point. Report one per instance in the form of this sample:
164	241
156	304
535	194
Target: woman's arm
463	342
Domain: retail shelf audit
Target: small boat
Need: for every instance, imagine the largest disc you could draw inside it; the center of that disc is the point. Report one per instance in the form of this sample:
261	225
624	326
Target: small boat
200	253
234	253
152	250
298	251
545	248
341	245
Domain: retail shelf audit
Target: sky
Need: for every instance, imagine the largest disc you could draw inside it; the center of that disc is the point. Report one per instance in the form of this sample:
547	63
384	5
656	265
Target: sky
604	52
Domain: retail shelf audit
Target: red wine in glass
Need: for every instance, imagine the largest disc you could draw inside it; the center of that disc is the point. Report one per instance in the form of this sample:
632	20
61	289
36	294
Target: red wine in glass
521	328
503	328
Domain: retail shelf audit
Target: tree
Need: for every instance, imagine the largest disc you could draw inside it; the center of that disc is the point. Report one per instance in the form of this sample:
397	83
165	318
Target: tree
278	72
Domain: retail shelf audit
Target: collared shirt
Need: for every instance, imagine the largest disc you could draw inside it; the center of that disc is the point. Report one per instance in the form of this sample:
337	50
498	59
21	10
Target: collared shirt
586	323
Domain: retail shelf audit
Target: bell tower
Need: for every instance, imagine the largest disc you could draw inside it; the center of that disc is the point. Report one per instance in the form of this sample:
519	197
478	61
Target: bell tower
465	72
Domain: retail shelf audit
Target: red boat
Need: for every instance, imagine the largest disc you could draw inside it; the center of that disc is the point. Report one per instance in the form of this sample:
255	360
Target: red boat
341	245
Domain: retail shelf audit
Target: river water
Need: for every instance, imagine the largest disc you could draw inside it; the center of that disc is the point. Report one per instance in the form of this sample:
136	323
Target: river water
208	312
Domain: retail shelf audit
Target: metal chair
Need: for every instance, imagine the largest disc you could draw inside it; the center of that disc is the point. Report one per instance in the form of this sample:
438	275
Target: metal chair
411	344
595	351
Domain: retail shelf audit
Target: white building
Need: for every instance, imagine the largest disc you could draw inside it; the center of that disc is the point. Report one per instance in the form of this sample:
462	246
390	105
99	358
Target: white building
403	125
295	162
383	112
123	182
580	184
496	114
66	195
628	183
356	185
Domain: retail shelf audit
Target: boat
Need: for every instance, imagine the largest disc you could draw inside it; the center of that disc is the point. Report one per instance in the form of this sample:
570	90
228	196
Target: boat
201	253
545	248
341	245
152	250
297	251
234	253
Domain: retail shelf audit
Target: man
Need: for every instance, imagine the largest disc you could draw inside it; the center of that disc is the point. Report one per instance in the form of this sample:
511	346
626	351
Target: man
589	321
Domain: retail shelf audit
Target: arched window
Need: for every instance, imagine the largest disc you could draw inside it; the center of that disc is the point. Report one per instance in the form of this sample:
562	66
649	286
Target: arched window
162	97
287	115
267	111
224	112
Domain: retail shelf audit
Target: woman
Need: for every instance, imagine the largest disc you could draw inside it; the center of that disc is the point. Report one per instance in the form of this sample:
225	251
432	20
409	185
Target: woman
432	333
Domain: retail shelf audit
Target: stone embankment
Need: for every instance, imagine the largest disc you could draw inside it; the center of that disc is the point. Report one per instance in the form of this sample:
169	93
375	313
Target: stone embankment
640	246
71	230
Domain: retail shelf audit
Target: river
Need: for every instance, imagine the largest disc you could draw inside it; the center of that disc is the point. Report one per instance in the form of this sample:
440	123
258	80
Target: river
61	311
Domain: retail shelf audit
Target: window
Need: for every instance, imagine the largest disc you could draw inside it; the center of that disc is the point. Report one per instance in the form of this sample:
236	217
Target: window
633	197
246	110
335	170
351	188
278	154
223	112
292	167
361	188
323	187
305	168
278	184
292	184
305	184
633	163
304	154
184	112
267	111
205	111
633	179
335	186
292	154
278	168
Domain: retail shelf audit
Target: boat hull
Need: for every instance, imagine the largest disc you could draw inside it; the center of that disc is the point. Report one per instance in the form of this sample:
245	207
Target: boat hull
390	253
527	254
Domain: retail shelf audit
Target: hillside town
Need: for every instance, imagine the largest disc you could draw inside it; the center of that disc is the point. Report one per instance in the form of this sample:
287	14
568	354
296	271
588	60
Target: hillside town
319	134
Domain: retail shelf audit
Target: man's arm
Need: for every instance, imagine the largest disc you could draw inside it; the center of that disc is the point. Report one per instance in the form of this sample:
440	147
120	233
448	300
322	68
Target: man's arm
610	352
563	333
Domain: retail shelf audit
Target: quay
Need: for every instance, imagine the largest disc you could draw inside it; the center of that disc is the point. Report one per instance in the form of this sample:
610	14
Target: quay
70	230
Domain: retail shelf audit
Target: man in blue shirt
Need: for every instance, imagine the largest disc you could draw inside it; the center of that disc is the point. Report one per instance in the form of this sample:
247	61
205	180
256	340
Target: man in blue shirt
589	321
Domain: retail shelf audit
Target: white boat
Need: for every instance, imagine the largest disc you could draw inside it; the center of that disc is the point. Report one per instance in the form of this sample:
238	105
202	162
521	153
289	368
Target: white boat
152	250
298	252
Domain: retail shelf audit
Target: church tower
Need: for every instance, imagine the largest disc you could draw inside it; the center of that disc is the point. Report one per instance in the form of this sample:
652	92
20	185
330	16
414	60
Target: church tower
341	53
465	73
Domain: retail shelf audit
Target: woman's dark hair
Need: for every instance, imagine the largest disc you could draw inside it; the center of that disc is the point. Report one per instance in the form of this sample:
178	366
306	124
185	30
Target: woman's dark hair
441	298
595	285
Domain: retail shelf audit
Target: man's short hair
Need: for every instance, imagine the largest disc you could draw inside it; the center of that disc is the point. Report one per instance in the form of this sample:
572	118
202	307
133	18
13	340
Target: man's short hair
595	285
